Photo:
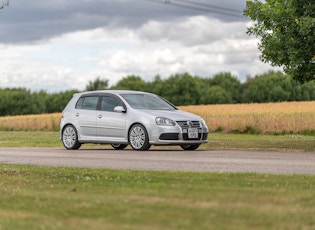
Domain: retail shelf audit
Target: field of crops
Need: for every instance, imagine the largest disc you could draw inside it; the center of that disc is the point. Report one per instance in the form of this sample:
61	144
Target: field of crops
284	117
38	122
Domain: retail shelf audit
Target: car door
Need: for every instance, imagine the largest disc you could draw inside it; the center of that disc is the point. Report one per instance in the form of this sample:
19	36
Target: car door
111	125
85	114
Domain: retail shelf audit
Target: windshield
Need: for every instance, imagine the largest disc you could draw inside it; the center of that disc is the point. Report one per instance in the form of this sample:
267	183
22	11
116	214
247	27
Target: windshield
147	101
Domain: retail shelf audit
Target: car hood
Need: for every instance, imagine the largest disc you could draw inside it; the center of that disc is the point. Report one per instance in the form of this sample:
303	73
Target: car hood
176	115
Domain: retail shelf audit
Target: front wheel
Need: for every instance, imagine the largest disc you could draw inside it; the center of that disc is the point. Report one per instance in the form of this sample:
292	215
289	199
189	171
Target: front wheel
138	138
70	137
190	147
119	146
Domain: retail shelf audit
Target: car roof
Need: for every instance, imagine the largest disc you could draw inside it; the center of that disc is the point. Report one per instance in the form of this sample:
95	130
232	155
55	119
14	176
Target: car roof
112	91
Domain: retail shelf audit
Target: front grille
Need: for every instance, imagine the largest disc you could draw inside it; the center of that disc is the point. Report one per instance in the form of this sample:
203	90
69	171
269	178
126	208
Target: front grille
189	124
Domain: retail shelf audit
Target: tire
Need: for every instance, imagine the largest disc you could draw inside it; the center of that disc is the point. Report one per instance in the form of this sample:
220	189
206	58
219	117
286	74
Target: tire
119	146
70	137
138	138
190	147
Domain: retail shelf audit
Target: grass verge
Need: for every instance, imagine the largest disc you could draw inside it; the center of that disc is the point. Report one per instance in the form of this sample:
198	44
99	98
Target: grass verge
29	139
266	142
74	198
216	141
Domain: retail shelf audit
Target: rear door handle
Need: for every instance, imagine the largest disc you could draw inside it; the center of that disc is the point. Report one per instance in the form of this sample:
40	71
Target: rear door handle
77	114
100	116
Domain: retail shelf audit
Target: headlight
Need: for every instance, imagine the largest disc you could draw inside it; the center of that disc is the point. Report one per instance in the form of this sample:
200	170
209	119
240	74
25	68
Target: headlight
164	121
204	124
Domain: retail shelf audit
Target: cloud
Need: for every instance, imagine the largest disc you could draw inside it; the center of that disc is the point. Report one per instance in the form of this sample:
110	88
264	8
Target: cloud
192	31
40	20
60	45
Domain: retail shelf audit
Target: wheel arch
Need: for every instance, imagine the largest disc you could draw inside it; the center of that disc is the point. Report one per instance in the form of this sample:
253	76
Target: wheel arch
136	123
65	125
70	139
140	138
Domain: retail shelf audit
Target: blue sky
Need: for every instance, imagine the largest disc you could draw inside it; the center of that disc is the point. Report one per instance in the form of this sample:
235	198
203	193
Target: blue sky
61	45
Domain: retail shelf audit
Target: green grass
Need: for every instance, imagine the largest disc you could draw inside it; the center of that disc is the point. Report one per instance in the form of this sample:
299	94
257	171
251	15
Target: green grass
269	142
216	141
29	139
34	197
76	198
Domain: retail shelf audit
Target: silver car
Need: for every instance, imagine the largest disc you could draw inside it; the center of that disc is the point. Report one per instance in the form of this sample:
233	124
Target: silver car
122	117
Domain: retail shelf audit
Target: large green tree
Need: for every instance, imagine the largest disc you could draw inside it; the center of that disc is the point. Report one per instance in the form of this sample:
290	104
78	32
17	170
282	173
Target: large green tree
287	32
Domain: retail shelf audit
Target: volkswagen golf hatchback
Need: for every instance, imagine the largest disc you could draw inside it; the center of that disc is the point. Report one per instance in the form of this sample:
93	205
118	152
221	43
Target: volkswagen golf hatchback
120	117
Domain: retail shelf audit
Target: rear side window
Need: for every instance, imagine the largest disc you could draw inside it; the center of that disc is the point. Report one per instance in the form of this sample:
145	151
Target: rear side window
88	102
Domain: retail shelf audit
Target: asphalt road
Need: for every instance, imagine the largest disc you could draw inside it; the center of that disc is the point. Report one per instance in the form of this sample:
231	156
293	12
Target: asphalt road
166	160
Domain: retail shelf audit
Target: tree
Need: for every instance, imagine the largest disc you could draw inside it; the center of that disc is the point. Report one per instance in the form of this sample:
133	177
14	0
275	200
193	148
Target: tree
216	95
56	102
4	3
268	87
230	84
131	83
181	89
287	32
156	86
97	84
308	91
19	101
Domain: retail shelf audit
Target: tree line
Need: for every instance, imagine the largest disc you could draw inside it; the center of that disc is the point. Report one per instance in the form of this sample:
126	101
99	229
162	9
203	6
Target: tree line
180	89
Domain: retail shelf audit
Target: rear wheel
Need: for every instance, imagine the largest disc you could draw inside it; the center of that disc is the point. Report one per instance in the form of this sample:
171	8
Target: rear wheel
70	137
190	147
119	146
138	138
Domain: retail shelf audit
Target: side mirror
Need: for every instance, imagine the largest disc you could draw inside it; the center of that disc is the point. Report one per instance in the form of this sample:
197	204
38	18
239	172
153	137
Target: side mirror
119	109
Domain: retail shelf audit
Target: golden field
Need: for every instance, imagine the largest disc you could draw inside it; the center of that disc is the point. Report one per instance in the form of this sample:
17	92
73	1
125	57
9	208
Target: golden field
38	122
265	117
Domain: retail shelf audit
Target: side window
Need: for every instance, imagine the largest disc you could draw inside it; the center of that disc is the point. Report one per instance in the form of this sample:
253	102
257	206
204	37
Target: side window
89	103
109	103
79	103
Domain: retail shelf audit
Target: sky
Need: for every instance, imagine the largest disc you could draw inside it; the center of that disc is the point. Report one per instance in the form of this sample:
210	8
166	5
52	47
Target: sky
64	44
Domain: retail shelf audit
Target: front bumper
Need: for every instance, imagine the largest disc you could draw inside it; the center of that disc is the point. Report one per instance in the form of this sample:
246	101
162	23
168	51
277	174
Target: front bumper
177	135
